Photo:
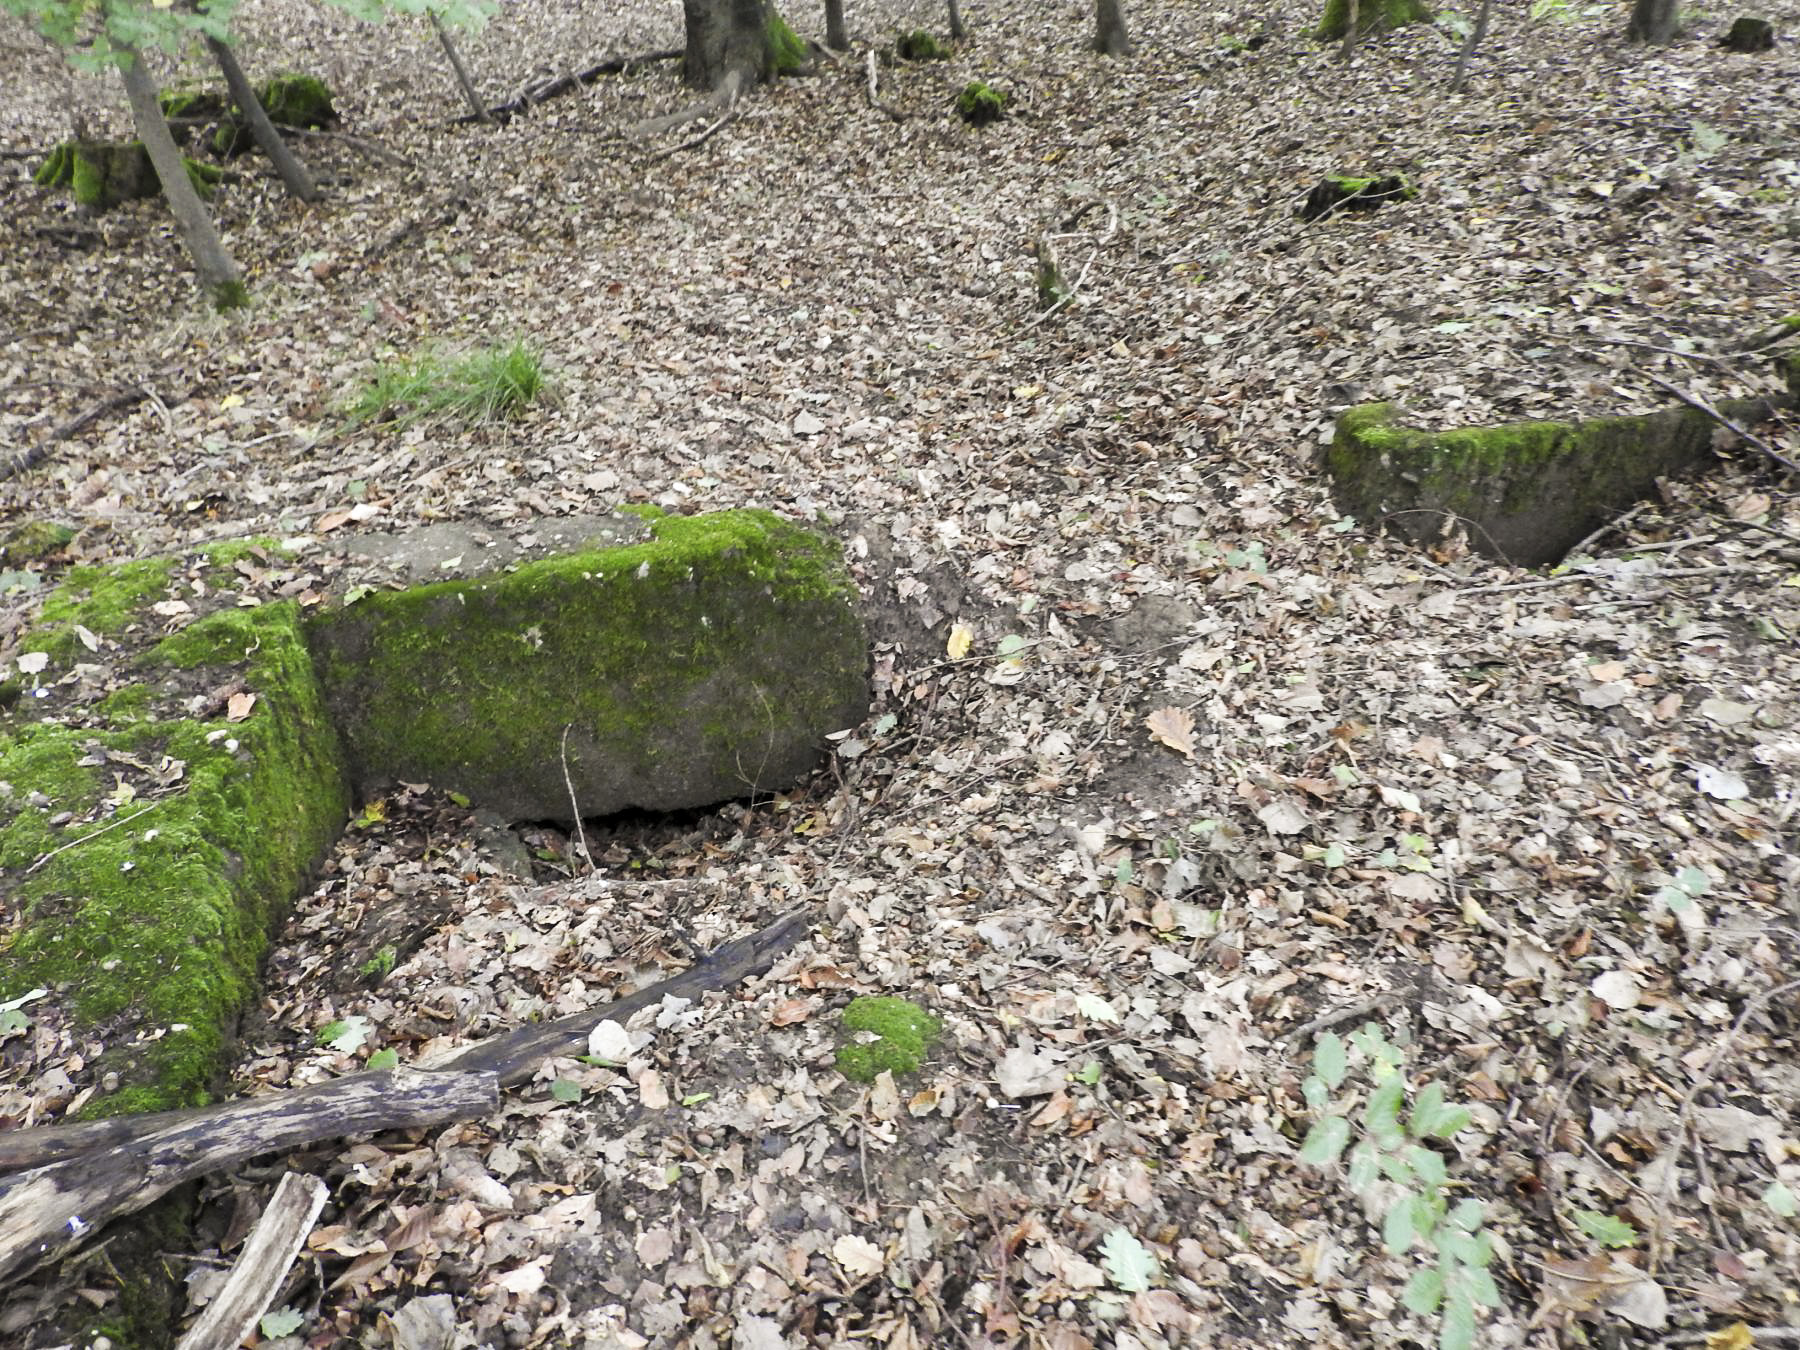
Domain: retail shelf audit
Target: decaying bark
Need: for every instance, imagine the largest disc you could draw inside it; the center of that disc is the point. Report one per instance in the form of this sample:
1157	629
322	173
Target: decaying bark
263	1264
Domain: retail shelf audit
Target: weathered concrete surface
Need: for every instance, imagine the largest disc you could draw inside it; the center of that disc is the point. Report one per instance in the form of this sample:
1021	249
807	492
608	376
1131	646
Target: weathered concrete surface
1526	492
672	663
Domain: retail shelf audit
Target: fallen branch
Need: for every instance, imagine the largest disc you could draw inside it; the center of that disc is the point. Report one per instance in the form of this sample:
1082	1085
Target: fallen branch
874	101
368	147
33	455
82	1176
535	94
1701	405
261	1266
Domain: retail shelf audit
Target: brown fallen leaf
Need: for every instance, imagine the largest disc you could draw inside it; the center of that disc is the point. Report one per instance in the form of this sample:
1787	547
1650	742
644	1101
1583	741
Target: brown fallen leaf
238	706
1174	727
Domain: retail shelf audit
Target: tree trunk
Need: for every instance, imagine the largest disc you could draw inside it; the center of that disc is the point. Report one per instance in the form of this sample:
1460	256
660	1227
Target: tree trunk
836	37
1652	21
1476	34
957	31
218	273
724	36
293	173
463	81
1110	37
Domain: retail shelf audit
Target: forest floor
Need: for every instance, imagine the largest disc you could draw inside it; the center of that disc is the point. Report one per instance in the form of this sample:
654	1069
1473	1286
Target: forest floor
1251	765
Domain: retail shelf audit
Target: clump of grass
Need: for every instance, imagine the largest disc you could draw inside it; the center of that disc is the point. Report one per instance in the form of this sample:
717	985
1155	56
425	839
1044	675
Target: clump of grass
482	386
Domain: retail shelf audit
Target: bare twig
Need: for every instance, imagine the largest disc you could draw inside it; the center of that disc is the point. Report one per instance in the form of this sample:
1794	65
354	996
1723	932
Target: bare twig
1699	404
874	101
77	843
731	111
362	143
1336	1017
574	805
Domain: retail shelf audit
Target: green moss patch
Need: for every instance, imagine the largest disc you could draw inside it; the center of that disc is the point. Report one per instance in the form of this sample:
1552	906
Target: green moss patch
1526	492
101	175
1371	16
890	1035
702	665
787	49
33	541
920	45
979	104
144	853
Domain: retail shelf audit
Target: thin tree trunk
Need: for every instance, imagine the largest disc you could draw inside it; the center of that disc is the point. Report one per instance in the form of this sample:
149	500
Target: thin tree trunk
957	31
218	273
293	173
463	81
836	37
1110	37
1652	21
1351	23
1475	36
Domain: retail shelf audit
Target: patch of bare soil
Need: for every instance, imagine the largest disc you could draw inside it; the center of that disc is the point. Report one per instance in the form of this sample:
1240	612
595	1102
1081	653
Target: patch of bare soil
1173	771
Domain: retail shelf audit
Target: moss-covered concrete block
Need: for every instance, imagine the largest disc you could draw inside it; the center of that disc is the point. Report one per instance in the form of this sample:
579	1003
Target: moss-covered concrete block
705	659
1371	16
162	798
1526	492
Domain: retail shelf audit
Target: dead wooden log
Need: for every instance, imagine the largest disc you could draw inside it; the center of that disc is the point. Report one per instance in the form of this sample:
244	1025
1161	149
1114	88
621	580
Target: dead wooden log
82	1176
50	1211
535	94
261	1267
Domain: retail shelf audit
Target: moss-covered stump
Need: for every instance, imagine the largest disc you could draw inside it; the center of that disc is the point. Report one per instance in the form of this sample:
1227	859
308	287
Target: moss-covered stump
1526	492
920	45
1371	16
1748	34
302	101
161	801
704	662
980	103
101	175
1341	192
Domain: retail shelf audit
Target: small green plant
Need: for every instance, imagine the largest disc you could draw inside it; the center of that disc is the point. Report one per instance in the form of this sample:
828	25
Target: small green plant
380	964
900	1033
1394	1163
979	104
498	381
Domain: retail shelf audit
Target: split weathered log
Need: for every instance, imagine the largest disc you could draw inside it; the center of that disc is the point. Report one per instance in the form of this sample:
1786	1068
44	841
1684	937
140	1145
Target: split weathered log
261	1266
82	1176
50	1211
534	94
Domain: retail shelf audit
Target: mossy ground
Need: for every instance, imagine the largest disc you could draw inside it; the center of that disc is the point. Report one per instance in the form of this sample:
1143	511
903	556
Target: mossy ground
787	50
903	1034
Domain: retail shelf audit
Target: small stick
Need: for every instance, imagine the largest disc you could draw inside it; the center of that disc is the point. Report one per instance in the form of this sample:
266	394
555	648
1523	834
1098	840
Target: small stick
1701	405
575	806
77	843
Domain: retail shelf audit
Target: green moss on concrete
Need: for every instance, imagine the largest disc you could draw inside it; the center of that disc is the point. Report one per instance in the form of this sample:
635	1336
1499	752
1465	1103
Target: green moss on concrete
920	45
441	683
1525	491
787	51
903	1033
34	540
150	932
1371	15
297	101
